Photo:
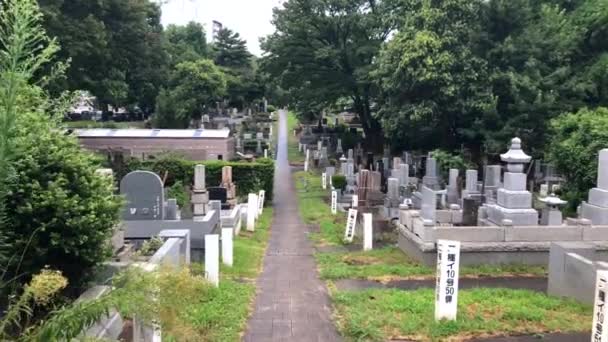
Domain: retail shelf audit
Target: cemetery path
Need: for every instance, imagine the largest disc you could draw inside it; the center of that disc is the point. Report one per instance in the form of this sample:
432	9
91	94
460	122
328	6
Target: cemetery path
292	304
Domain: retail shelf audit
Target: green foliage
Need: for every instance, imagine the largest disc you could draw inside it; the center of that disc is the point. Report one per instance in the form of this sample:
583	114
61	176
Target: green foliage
115	47
379	315
150	246
324	50
433	83
447	161
178	191
186	43
230	50
192	87
339	181
248	177
576	139
271	108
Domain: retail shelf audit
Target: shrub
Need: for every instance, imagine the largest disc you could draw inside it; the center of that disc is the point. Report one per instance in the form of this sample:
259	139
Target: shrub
447	160
271	108
339	182
59	211
248	177
574	143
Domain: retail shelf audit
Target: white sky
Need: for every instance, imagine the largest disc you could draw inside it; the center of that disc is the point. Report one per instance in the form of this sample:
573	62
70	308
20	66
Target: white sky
250	18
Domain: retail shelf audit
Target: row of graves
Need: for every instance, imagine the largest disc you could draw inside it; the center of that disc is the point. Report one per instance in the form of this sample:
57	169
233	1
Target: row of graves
150	218
492	221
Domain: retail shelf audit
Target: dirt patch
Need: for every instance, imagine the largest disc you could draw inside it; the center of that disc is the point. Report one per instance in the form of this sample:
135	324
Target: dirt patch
553	337
538	284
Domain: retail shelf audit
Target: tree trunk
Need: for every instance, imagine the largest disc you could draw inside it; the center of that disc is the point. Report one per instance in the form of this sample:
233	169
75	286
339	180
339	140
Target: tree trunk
374	139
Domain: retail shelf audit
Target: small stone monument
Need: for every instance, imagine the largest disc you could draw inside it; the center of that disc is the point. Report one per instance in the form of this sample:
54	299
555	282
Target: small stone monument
429	205
552	215
596	209
200	196
212	259
491	182
339	149
471	186
368	232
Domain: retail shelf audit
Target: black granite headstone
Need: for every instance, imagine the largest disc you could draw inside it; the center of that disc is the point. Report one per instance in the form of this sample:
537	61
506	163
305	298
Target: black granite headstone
217	193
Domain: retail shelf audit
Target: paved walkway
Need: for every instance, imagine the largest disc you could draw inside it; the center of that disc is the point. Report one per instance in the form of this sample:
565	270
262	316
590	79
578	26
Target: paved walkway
292	304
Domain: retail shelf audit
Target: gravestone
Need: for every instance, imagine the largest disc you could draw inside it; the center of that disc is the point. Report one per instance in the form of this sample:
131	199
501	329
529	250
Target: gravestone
452	190
144	195
229	185
596	209
171	210
306	161
430	178
218	193
363	185
392	194
351	222
429	205
491	182
324	180
370	161
470	207
323	158
446	290
200	196
471	184
339	149
544	190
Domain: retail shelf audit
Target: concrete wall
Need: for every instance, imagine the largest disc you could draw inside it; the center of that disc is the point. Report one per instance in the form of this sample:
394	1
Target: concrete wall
572	270
191	148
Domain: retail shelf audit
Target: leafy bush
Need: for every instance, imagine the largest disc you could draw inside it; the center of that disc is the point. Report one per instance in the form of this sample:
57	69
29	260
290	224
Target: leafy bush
574	143
447	160
59	211
178	191
248	177
271	108
339	182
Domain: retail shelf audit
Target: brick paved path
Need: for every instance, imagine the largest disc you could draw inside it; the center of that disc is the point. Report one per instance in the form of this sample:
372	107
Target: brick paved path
292	304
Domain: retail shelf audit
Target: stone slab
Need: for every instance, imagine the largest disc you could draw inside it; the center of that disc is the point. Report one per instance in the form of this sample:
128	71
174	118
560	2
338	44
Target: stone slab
519	217
591	233
514	199
543	234
515	181
597	215
471	234
598	197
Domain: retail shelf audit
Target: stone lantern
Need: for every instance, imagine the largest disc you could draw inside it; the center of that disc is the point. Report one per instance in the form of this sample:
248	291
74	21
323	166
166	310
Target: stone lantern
551	214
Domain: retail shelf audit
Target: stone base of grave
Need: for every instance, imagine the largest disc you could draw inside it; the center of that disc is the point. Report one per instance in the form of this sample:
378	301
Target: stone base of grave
519	217
596	214
483	253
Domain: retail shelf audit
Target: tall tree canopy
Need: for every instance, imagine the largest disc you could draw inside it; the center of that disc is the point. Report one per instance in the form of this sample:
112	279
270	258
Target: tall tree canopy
230	50
193	87
324	49
115	48
186	43
432	80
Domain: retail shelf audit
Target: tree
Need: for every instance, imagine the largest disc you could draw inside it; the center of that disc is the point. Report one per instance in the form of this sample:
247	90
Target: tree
433	83
230	50
115	48
186	43
575	140
193	87
58	212
325	50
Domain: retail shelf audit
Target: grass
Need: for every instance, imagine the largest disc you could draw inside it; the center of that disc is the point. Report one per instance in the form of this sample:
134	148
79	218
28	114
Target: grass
249	249
100	124
379	264
314	210
293	154
380	315
390	263
223	314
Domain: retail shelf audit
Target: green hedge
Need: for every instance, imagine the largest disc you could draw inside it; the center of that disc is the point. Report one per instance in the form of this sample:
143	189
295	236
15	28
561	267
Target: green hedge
248	177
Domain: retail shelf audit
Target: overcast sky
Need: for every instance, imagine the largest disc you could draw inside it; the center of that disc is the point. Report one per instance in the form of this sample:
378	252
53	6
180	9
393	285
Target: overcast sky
250	18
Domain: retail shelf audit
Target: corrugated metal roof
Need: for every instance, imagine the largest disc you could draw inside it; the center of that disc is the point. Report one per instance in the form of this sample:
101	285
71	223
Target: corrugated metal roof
152	133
